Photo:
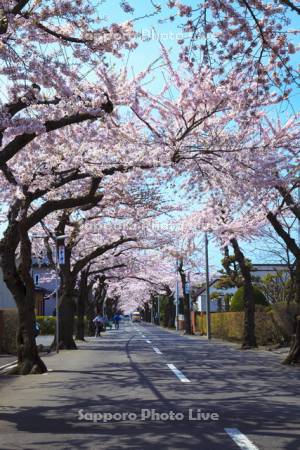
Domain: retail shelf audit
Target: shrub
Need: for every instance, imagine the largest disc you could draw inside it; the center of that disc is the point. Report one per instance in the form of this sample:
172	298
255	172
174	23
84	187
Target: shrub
8	331
237	301
47	324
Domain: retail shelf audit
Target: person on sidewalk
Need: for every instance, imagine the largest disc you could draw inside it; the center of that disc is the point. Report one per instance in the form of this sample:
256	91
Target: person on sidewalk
116	320
98	322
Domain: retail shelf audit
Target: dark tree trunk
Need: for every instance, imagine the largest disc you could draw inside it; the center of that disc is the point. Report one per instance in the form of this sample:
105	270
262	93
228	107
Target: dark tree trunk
249	339
20	284
172	315
226	303
291	244
81	301
66	320
297	279
169	313
219	301
147	313
28	357
294	354
186	302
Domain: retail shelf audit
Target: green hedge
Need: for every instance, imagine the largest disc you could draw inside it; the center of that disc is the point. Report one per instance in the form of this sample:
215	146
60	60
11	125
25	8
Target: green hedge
8	331
47	324
237	301
274	324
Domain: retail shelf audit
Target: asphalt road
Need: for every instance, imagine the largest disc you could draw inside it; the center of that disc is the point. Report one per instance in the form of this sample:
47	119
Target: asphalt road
142	388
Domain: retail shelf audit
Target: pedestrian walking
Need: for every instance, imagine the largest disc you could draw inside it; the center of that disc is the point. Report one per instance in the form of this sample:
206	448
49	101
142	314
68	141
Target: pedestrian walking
98	322
116	320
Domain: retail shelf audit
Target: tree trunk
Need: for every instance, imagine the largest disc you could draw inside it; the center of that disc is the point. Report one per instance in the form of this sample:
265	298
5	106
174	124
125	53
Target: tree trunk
187	315
66	321
169	313
294	354
186	301
20	284
147	313
81	300
249	339
297	279
80	318
29	361
172	315
227	303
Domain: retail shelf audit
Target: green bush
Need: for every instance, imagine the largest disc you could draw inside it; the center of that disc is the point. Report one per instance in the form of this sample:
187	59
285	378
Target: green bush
237	301
8	331
47	324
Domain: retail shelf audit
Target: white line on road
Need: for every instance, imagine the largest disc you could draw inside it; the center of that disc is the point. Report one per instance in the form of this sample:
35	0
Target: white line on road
178	374
157	350
8	365
148	342
143	335
240	439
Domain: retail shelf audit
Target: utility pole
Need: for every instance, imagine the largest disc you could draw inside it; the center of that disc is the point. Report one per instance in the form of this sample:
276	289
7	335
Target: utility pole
208	328
158	310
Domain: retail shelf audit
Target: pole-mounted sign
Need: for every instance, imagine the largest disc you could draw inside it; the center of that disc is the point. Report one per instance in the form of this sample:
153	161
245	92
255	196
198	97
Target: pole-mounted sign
61	254
187	288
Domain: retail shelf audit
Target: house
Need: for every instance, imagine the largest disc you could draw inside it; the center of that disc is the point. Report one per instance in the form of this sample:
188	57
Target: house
259	270
45	283
6	299
45	286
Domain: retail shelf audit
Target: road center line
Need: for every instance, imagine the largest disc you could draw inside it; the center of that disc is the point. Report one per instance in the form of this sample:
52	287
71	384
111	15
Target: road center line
148	342
240	439
157	350
178	374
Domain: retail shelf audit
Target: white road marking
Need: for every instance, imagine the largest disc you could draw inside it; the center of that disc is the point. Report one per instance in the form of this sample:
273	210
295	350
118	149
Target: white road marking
240	439
11	366
8	365
157	350
178	374
148	342
143	335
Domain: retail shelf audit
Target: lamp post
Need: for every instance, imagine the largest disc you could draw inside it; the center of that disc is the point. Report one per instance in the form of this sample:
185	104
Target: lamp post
208	328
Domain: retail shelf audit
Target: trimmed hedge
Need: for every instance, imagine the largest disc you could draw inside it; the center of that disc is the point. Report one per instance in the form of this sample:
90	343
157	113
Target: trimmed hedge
274	324
8	330
47	324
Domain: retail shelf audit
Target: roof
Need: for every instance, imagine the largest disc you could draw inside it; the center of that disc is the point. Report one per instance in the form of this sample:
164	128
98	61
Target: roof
199	291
